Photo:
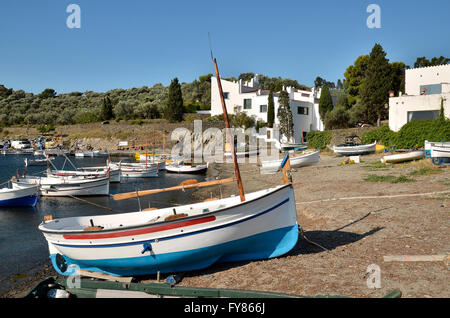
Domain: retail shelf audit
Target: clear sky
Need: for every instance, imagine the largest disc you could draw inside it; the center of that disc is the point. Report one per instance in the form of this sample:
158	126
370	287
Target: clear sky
134	43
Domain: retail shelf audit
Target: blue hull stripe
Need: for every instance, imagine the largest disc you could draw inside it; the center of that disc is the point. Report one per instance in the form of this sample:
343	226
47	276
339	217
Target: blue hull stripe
260	246
29	200
179	235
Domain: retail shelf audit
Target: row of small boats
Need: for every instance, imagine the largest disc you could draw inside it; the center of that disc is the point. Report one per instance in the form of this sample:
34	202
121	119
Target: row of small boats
23	190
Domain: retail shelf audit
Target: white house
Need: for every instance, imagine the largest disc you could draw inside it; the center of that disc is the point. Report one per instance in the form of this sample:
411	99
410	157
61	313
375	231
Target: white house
424	89
247	97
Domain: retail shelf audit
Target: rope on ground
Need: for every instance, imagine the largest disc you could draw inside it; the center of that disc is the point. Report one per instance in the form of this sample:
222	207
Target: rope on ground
376	197
302	233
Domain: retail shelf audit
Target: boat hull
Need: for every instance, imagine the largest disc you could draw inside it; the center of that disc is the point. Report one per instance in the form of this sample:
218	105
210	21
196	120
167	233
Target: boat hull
438	151
414	155
355	150
187	169
295	162
19	196
261	228
69	186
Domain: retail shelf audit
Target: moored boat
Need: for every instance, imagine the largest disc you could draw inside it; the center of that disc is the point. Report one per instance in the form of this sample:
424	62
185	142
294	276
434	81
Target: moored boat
138	170
69	185
296	147
37	162
180	167
19	196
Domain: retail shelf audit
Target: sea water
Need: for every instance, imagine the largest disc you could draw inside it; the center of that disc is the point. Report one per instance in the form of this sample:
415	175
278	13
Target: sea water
22	245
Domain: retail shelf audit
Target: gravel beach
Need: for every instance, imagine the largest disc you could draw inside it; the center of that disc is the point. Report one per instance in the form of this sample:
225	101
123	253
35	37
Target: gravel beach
352	216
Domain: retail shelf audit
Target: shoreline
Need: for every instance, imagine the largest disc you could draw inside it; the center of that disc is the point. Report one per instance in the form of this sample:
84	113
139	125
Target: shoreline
356	233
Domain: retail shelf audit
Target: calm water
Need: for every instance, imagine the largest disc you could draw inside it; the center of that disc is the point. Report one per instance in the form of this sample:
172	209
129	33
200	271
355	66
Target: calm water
23	247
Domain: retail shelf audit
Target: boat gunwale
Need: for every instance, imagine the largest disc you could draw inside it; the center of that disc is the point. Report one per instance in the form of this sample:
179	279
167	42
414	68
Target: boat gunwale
131	227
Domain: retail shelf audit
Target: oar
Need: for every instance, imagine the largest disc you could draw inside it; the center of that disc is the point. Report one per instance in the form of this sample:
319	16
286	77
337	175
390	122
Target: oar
187	184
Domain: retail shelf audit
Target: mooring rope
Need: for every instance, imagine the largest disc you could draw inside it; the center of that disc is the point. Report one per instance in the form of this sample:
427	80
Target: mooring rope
375	197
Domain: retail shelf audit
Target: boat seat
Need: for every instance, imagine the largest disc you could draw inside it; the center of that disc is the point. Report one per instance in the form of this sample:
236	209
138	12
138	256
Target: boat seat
176	216
211	199
149	209
93	228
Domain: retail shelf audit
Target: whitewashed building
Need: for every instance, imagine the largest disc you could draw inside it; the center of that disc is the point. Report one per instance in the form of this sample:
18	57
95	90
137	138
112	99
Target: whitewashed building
247	97
424	89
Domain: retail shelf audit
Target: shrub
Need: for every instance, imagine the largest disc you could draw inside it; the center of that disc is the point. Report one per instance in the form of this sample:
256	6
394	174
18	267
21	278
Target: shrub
319	139
411	135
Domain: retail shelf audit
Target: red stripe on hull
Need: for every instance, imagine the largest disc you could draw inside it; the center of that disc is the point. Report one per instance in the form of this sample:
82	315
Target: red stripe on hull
147	230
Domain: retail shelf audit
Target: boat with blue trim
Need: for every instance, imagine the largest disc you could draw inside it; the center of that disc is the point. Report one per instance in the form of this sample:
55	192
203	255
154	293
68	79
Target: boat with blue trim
184	238
26	195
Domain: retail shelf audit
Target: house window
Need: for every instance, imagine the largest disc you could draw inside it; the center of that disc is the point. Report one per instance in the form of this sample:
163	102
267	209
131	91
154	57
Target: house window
423	115
302	110
226	95
263	108
247	104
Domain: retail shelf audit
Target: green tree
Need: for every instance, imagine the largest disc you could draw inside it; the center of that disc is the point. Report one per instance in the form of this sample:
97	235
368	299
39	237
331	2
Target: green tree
374	90
398	76
107	109
354	75
424	62
174	107
325	102
270	110
284	115
47	93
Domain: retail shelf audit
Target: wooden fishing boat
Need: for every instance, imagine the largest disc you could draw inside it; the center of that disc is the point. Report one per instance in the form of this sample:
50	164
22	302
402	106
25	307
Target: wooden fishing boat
177	239
138	170
37	162
402	157
352	147
114	171
180	167
305	159
19	196
252	226
69	185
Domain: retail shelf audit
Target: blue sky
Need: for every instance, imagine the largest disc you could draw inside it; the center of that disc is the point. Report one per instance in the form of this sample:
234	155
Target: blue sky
124	44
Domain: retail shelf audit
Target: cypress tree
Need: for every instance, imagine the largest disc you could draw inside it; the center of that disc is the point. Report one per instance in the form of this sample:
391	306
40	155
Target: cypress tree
270	111
375	87
174	108
284	115
107	109
325	102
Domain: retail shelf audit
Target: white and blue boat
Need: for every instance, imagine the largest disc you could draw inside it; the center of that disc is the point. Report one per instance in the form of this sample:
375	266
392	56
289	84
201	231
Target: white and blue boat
184	238
19	196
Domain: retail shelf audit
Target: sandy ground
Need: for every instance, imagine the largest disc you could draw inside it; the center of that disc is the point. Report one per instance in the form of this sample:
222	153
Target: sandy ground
355	232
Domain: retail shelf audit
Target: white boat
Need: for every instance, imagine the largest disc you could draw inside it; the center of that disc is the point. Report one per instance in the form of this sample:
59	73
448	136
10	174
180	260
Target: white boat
351	148
138	170
114	171
180	167
439	150
140	243
82	154
402	157
19	196
305	159
428	145
71	185
37	162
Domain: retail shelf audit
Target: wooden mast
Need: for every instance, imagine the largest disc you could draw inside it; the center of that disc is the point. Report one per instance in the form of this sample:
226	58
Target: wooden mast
227	125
